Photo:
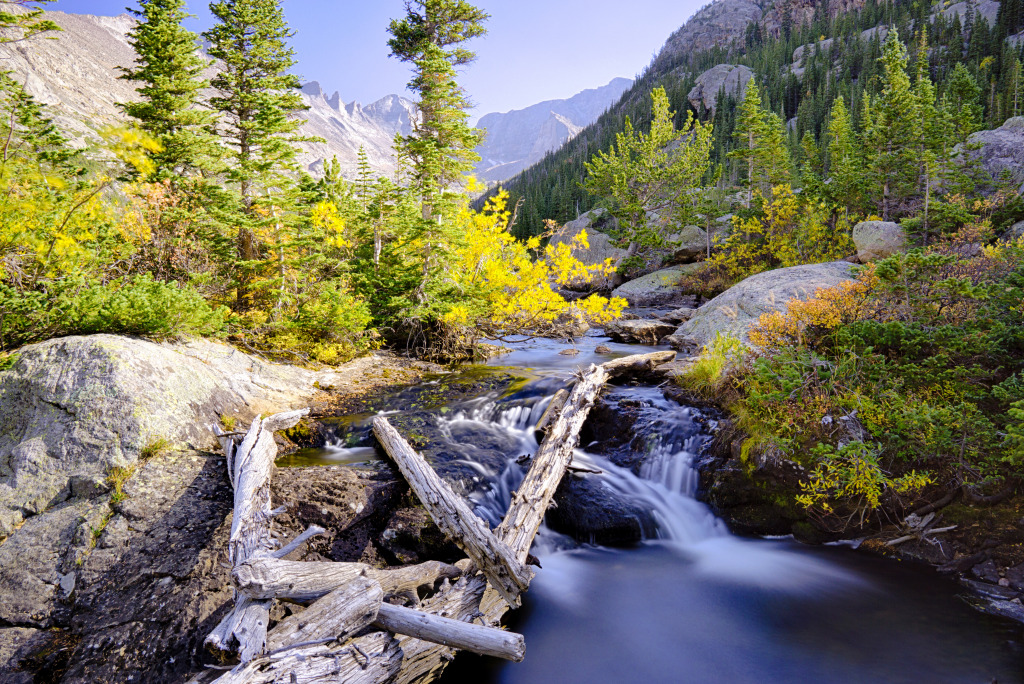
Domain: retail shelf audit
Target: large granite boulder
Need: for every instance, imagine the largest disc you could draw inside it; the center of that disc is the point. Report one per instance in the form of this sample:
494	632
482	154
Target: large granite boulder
600	248
655	289
72	408
737	308
730	77
1002	151
877	240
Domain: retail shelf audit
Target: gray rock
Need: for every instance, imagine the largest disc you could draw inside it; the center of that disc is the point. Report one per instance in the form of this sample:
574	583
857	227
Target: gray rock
1002	151
730	77
689	245
674	369
654	289
678	316
989	9
877	240
644	331
600	245
1015	232
681	343
737	308
717	24
15	644
73	408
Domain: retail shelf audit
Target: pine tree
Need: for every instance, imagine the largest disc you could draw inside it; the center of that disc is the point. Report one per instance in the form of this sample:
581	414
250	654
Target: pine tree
169	72
441	147
24	19
257	101
891	134
751	128
640	175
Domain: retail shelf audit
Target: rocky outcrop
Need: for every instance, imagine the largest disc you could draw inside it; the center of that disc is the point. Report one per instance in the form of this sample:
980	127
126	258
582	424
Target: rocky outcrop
988	9
717	24
733	311
600	245
655	289
1001	151
518	139
877	240
72	408
730	78
688	245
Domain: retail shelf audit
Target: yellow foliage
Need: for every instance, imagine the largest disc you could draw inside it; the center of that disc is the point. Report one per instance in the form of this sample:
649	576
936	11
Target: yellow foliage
828	309
512	284
789	232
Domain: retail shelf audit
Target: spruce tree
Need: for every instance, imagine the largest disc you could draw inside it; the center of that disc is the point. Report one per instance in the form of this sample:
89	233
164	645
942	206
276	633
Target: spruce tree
441	147
169	72
751	128
257	102
892	130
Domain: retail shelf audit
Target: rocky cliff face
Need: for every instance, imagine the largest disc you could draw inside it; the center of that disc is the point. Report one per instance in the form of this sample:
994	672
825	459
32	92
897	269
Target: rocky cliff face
517	139
77	76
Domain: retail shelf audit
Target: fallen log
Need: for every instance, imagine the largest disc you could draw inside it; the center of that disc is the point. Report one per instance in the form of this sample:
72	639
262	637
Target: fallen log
638	363
244	629
374	658
267	578
454	633
339	615
507	573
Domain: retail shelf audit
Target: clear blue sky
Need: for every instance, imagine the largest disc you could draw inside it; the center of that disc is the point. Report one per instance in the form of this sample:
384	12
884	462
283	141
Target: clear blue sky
535	49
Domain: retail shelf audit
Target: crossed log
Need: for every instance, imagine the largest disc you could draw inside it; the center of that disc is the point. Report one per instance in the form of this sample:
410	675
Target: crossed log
350	632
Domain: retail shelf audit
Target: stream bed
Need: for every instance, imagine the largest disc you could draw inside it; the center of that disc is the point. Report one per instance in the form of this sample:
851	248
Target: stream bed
690	602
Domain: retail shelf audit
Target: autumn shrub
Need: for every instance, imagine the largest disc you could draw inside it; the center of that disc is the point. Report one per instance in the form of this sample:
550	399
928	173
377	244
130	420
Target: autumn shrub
785	230
904	377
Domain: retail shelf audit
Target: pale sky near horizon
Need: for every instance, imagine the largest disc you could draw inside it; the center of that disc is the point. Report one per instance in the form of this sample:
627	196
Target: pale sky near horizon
535	50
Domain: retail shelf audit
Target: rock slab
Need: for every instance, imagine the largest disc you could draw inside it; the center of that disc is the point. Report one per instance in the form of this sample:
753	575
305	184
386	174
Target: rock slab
72	408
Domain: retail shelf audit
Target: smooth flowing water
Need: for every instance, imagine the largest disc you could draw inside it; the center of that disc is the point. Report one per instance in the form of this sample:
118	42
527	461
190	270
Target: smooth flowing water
694	603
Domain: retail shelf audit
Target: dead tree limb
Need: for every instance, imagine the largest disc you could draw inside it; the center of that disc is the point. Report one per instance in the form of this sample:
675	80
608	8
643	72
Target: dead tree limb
244	629
267	578
472	597
507	574
339	615
454	633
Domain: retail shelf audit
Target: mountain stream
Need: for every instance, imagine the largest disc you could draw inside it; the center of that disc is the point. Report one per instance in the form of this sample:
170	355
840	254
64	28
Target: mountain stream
691	602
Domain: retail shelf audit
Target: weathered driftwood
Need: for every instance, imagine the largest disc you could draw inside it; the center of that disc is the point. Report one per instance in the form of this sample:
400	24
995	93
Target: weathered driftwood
638	363
371	659
339	615
507	573
454	633
266	578
250	465
472	597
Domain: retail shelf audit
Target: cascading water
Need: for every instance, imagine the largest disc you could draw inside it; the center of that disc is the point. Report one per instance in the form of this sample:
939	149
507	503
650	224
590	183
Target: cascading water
693	603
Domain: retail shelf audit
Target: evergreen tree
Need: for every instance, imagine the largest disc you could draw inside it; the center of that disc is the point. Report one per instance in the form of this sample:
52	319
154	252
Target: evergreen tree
892	129
751	129
23	19
257	102
169	70
640	175
441	147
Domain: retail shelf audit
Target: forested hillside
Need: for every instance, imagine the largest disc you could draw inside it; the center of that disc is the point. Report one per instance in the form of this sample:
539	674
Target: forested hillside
804	55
